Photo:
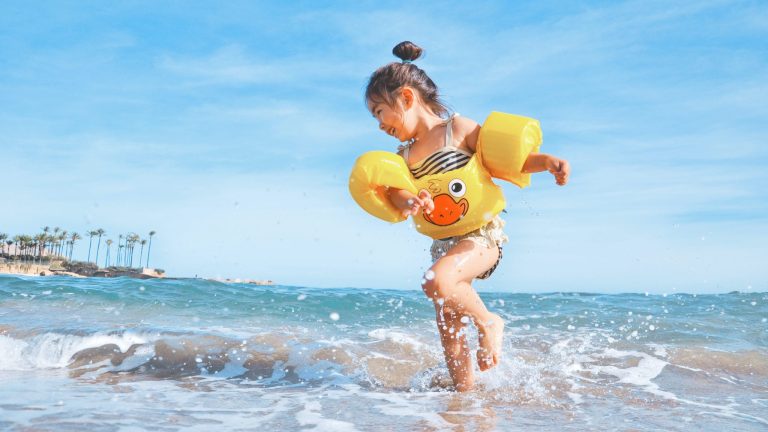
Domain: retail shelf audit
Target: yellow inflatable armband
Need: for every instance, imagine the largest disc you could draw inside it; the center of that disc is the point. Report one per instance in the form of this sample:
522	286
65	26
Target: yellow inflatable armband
504	144
372	176
465	198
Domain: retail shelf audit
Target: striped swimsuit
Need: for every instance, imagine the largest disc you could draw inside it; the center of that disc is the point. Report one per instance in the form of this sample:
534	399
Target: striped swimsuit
448	158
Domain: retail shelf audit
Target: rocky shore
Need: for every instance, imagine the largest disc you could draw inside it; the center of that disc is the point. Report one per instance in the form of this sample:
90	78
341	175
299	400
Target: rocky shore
57	269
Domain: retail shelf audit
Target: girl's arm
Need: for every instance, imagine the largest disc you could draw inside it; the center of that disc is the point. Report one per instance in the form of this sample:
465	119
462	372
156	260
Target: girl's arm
410	204
538	162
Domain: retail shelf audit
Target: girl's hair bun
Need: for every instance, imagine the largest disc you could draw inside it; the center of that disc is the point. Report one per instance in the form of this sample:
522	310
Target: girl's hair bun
407	51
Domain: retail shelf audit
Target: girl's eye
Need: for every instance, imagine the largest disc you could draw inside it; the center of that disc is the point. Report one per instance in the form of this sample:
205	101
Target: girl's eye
457	188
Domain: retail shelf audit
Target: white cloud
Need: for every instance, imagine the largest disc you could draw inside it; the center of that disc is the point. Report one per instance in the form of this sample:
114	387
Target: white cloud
233	65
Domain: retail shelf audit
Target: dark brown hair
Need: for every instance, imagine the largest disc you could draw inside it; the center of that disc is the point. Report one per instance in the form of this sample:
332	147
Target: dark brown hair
388	79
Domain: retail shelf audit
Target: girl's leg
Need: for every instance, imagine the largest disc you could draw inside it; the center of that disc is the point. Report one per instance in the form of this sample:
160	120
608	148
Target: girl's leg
455	348
451	289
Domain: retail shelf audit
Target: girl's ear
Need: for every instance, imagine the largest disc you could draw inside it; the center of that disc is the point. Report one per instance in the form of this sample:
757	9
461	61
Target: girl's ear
408	97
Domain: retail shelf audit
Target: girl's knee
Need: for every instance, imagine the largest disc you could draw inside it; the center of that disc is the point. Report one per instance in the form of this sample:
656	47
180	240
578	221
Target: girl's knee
438	287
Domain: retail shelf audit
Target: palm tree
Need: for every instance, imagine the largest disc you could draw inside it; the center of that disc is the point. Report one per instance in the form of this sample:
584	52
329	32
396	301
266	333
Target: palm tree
9	243
62	242
119	248
106	259
99	232
54	238
90	243
17	241
21	246
40	241
3	236
75	237
134	239
27	245
149	248
49	240
20	239
141	255
126	260
126	248
53	243
119	252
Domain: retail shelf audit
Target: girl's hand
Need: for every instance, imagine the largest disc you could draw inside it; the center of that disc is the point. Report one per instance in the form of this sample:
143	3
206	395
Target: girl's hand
410	204
560	168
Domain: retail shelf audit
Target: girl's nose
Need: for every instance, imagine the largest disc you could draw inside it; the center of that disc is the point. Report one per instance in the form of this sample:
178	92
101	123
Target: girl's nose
381	126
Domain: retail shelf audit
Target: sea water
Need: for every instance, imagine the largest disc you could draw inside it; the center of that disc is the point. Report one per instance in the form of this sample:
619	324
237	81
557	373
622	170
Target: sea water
125	354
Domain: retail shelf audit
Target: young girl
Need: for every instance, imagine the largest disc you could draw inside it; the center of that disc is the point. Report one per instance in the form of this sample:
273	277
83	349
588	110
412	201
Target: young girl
407	106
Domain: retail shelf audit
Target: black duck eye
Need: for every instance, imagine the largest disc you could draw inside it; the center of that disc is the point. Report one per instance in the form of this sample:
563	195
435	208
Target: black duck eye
457	188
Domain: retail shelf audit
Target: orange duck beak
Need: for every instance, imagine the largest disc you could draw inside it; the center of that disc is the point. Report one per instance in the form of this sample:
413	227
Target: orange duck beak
447	211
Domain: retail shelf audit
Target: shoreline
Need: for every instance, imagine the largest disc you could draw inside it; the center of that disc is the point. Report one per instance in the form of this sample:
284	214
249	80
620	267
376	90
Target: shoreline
42	270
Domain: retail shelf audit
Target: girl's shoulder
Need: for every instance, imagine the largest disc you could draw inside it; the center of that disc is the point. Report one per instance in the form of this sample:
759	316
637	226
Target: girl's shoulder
466	131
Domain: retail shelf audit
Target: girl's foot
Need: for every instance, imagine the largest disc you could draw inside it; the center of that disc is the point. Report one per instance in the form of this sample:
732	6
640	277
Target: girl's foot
490	338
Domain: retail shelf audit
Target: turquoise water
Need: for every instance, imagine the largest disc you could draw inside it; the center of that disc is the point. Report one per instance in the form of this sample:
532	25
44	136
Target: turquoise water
124	354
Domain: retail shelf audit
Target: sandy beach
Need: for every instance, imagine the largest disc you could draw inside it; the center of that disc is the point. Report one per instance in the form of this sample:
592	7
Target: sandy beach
27	269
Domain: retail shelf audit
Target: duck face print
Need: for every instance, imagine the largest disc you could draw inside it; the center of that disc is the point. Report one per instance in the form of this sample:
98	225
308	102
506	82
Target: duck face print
449	207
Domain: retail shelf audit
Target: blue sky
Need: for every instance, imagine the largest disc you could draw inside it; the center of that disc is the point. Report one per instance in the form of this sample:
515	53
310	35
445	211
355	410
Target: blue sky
230	129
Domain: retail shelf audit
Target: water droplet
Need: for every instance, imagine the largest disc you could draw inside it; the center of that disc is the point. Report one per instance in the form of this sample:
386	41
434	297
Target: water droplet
141	288
429	275
465	319
334	316
651	327
301	297
570	327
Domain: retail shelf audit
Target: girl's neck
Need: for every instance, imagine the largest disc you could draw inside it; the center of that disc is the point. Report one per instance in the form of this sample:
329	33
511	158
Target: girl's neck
425	122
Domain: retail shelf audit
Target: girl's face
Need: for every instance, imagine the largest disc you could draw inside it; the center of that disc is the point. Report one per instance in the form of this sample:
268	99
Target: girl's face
393	119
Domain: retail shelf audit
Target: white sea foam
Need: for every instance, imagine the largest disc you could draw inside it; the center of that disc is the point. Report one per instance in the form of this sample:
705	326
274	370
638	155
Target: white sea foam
648	368
55	350
396	337
312	415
